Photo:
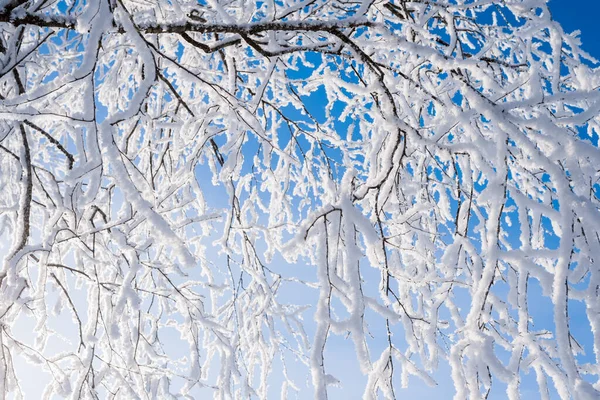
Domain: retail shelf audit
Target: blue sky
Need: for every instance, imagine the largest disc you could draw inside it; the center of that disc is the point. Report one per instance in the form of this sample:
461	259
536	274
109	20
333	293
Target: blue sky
579	15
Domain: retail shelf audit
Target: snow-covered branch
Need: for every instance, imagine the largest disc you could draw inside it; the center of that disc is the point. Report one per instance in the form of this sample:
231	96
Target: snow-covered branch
204	199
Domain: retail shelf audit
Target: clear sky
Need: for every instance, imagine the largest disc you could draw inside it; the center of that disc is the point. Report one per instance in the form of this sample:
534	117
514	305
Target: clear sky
580	15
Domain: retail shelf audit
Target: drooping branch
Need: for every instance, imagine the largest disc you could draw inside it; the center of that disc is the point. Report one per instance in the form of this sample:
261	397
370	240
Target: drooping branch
26	197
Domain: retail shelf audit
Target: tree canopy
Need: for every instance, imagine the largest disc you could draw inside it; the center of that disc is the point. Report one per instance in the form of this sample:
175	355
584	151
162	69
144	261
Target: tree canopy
253	180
